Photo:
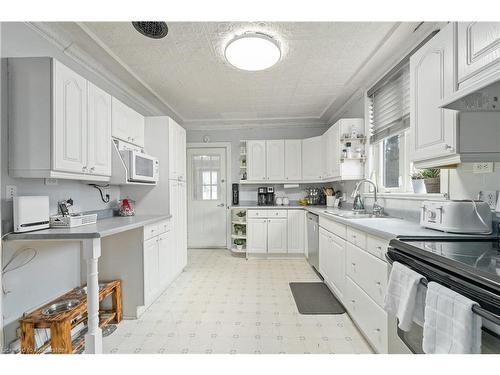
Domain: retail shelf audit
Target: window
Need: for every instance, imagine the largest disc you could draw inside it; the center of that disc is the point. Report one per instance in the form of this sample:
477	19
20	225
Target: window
389	120
206	175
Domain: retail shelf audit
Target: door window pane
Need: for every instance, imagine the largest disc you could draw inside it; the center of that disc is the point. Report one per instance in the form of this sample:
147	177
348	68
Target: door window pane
391	162
206	175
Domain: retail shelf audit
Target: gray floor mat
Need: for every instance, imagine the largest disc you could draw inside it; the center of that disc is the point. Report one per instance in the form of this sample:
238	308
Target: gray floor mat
314	298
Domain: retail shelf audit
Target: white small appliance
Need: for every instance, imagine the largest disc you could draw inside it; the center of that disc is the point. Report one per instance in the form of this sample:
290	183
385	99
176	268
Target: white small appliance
30	213
457	216
140	166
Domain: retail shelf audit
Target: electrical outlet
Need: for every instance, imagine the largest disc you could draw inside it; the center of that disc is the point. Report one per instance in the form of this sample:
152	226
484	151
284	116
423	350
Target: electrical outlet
10	191
50	181
482	167
489	197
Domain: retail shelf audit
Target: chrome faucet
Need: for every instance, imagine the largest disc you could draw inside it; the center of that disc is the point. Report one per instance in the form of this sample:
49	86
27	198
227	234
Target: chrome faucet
359	205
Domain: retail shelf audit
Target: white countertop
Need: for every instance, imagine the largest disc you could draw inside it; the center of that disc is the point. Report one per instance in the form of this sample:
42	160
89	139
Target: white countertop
103	228
385	227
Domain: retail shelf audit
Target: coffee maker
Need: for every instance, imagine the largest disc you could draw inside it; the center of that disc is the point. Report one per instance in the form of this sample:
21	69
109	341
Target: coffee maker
270	196
261	196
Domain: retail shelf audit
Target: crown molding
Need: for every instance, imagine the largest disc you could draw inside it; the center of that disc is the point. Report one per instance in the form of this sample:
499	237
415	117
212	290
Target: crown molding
51	33
269	123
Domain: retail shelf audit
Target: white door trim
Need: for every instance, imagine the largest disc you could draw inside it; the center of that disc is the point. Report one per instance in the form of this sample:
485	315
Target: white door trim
229	180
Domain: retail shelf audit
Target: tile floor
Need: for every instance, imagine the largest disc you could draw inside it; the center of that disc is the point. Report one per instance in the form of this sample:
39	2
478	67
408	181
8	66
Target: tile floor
226	304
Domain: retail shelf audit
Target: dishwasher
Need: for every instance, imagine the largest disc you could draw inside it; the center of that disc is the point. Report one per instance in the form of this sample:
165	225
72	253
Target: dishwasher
313	240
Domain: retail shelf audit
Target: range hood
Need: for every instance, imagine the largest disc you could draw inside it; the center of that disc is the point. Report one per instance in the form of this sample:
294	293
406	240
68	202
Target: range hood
480	96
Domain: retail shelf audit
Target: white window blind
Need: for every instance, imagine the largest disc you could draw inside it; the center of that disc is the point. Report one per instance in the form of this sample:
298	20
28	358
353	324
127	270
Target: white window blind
390	105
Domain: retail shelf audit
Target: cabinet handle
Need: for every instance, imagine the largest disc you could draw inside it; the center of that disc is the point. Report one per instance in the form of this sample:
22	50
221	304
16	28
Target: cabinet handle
84	169
353	264
377	330
354	236
378	283
92	169
448	147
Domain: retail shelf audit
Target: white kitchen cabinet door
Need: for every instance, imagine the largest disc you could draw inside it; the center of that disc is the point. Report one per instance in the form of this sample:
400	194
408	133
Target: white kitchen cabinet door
177	151
275	160
165	270
433	129
296	231
478	48
120	120
256	160
324	252
293	159
136	128
151	271
99	131
312	158
337	260
257	236
277	236
69	137
334	144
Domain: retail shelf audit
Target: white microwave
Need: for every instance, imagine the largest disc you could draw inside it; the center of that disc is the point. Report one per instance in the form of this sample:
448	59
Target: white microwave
141	167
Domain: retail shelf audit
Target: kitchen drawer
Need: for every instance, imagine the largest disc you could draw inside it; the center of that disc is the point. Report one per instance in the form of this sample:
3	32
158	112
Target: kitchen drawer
164	226
369	272
333	227
253	214
277	214
150	231
356	237
369	317
256	214
377	246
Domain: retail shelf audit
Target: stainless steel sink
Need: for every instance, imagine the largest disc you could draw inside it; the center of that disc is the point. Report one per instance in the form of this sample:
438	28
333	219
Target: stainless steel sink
355	215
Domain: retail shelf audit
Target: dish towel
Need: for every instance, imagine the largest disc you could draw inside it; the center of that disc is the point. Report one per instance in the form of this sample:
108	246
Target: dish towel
450	324
405	296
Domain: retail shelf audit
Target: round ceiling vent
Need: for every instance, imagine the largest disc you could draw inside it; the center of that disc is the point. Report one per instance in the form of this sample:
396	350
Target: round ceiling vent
155	30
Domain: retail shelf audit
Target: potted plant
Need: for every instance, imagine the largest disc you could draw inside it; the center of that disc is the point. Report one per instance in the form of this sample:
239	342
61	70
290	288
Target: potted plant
241	215
240	229
417	181
432	180
239	242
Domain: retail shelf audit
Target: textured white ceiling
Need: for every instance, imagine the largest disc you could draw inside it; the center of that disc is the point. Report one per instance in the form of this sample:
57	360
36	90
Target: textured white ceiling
187	68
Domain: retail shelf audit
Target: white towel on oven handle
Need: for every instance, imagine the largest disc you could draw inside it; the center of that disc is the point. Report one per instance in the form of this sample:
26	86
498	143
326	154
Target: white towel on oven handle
405	296
450	324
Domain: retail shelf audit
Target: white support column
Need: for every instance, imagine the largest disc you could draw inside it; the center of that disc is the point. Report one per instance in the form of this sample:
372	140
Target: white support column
91	254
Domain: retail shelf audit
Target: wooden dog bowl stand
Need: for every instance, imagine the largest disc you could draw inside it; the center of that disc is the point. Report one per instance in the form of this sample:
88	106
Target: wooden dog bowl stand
61	324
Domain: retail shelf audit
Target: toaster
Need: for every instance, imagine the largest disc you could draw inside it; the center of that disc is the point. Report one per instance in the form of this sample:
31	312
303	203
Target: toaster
457	216
30	213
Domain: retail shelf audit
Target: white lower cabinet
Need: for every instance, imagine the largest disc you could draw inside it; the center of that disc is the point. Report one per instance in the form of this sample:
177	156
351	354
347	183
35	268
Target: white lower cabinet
276	236
369	316
257	235
296	231
332	250
369	272
163	260
276	231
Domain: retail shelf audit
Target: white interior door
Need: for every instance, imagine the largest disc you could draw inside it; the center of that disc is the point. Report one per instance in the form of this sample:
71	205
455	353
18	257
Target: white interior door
207	216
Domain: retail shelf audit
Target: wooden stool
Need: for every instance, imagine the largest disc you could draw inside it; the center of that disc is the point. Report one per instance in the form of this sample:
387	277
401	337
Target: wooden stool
60	324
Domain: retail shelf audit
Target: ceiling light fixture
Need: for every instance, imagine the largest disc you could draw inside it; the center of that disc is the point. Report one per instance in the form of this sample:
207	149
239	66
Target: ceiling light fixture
253	51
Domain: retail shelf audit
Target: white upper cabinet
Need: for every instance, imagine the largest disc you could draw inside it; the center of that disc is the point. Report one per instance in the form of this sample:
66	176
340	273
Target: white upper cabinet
478	50
312	158
331	142
433	129
256	160
61	118
70	120
177	151
293	159
99	131
128	125
275	160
